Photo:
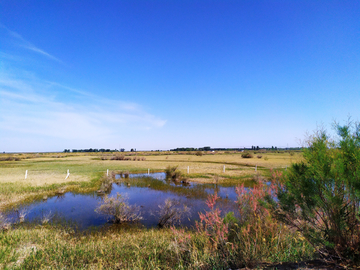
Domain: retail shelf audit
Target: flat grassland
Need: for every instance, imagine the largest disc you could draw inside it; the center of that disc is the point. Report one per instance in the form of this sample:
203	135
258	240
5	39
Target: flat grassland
47	171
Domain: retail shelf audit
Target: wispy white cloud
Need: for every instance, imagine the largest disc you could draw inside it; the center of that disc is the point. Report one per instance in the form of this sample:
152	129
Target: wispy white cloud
31	47
39	114
27	111
28	45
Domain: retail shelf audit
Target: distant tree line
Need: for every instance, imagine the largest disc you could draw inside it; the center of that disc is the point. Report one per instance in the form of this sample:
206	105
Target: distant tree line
91	150
205	148
208	148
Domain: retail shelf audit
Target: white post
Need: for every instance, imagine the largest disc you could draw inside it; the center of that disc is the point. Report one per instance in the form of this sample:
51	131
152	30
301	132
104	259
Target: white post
26	174
224	169
255	168
68	174
107	172
148	171
285	168
188	169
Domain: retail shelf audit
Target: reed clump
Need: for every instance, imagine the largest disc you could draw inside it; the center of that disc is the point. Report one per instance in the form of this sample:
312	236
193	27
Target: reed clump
119	210
173	173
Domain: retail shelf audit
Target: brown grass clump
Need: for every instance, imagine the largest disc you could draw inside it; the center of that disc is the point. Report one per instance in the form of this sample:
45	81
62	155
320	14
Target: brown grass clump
10	158
119	210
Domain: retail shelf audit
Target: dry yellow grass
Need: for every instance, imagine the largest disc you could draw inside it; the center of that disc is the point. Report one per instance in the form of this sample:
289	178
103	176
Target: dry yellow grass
45	170
39	178
48	170
268	160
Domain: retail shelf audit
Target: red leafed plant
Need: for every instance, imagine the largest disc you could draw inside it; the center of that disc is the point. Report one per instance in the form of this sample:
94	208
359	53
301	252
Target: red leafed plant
212	224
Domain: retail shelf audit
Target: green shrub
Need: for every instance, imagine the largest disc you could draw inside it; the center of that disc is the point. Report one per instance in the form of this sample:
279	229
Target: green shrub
320	196
172	173
247	155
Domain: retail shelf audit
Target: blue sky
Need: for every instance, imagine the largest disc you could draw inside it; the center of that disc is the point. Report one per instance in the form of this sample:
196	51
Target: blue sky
164	74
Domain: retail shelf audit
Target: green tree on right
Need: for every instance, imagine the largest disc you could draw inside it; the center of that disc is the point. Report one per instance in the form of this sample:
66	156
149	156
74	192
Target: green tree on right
320	196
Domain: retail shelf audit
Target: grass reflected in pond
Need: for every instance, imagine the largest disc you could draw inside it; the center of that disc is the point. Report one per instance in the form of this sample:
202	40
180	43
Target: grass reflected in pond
143	190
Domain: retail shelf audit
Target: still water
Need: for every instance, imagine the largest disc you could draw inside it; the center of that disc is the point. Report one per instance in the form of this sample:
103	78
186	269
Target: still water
147	191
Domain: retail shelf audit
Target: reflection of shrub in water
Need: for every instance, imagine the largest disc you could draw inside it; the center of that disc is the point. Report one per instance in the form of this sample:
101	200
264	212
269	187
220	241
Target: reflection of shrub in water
171	212
46	217
22	214
118	208
106	185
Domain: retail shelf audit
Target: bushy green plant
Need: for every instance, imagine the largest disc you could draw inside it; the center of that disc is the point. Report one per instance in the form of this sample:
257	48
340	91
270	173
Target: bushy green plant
172	173
320	196
247	155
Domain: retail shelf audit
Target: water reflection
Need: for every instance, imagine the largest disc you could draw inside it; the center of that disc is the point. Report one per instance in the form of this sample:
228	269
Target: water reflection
145	190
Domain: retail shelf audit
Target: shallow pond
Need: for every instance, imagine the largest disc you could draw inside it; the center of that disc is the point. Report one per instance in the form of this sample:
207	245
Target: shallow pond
145	190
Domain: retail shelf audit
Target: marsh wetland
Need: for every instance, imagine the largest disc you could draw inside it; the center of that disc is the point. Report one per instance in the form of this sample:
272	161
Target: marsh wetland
147	191
54	219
